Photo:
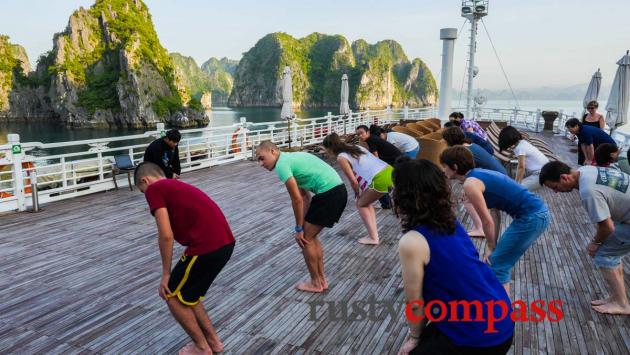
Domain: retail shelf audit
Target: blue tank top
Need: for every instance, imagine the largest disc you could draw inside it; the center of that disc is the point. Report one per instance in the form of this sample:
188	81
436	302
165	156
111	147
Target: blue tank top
455	273
507	195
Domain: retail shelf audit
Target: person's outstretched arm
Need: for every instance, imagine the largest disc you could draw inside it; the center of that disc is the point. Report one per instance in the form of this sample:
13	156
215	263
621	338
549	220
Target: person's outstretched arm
414	254
473	188
347	171
589	153
165	241
297	202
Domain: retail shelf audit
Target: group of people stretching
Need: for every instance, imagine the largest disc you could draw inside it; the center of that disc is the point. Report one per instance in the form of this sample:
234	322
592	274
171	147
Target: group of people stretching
434	248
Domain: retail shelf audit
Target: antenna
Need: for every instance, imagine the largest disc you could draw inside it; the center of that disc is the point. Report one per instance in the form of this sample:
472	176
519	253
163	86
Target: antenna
473	11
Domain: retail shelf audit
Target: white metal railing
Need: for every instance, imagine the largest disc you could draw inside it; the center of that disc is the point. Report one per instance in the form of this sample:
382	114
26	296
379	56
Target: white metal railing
89	169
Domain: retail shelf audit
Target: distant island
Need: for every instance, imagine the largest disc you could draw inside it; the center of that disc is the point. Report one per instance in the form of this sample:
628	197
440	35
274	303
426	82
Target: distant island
109	69
379	74
573	92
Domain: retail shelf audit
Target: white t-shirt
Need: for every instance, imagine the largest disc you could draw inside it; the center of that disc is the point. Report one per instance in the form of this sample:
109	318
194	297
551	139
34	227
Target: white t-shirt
404	142
534	159
365	167
605	193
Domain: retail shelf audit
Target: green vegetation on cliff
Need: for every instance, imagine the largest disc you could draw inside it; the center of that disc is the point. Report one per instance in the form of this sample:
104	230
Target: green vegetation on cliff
196	80
14	68
89	52
379	74
221	74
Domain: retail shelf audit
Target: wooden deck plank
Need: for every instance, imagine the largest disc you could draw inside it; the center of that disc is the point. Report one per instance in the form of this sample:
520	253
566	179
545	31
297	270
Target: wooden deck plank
81	277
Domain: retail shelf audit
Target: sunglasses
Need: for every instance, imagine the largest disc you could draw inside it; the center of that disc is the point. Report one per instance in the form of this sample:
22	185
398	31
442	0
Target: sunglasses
591	108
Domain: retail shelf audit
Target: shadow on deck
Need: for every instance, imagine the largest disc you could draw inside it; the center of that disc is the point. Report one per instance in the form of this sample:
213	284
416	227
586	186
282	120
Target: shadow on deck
82	277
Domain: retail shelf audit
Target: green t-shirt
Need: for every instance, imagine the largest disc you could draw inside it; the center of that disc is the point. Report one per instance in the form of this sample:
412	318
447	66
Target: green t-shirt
310	172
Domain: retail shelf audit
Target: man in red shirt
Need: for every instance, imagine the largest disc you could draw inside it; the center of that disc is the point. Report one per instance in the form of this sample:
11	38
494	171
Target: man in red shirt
186	214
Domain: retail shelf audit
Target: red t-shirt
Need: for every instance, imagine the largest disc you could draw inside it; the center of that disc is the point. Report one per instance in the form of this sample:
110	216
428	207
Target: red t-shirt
197	222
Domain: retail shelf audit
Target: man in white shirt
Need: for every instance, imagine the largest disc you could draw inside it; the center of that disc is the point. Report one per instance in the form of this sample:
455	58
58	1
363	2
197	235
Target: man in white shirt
404	142
605	194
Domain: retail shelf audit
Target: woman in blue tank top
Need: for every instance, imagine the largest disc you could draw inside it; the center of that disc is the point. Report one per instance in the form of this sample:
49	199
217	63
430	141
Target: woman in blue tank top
490	192
442	271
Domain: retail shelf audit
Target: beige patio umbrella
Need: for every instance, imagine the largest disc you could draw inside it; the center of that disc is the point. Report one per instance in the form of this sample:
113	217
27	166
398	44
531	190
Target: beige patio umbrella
344	107
592	92
287	99
617	105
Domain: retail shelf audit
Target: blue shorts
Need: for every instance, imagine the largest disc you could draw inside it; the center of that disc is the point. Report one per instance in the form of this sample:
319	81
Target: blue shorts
515	241
412	153
614	248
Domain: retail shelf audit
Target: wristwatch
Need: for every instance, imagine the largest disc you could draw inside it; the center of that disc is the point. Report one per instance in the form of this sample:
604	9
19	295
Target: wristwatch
299	229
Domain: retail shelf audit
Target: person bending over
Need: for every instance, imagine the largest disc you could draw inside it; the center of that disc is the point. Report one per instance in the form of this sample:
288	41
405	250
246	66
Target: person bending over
440	263
185	214
302	174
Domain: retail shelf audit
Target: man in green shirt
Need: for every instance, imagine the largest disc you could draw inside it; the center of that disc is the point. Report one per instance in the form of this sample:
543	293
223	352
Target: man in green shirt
302	174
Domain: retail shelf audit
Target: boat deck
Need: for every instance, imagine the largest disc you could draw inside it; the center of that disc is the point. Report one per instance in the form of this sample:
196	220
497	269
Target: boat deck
81	277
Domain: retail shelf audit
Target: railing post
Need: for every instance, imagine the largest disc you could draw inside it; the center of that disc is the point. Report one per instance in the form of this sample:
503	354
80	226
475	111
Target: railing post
161	131
243	133
34	191
18	176
99	156
514	117
406	113
188	157
131	156
389	113
64	173
560	121
329	123
538	116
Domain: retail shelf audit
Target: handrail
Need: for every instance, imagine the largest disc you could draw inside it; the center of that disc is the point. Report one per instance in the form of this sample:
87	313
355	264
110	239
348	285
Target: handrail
89	170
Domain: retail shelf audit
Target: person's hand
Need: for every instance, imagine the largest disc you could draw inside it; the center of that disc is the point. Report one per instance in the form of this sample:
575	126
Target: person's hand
300	239
175	176
592	248
588	162
409	344
357	192
163	290
487	254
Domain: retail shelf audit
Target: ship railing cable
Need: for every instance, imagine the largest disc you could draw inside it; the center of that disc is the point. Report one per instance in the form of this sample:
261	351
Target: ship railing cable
500	63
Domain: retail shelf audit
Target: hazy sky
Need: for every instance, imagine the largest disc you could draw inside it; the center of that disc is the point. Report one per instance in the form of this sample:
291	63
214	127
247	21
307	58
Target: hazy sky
541	42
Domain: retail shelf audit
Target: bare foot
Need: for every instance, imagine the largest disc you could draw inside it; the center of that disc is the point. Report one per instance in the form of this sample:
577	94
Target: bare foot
612	308
368	241
600	302
476	234
325	284
309	287
192	349
215	345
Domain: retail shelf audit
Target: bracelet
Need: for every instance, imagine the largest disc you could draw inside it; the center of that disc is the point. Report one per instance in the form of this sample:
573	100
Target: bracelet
596	243
299	229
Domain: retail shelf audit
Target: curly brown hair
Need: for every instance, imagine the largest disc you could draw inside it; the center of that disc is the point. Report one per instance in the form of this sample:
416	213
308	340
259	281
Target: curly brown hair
422	196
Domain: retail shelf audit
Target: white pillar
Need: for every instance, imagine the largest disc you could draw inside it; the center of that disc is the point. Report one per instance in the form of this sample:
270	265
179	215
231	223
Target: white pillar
448	36
471	66
161	131
18	174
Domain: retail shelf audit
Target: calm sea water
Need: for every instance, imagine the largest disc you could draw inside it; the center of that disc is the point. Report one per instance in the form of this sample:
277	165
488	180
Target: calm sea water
220	116
46	132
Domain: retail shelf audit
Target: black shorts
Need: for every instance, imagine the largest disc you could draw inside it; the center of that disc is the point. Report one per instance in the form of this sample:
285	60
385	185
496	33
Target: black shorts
433	341
193	274
326	208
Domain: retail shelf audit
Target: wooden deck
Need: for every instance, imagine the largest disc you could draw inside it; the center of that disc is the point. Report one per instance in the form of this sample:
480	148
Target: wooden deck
81	277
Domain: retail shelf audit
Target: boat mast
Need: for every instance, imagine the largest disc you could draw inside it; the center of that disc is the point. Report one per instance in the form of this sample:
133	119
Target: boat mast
473	11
